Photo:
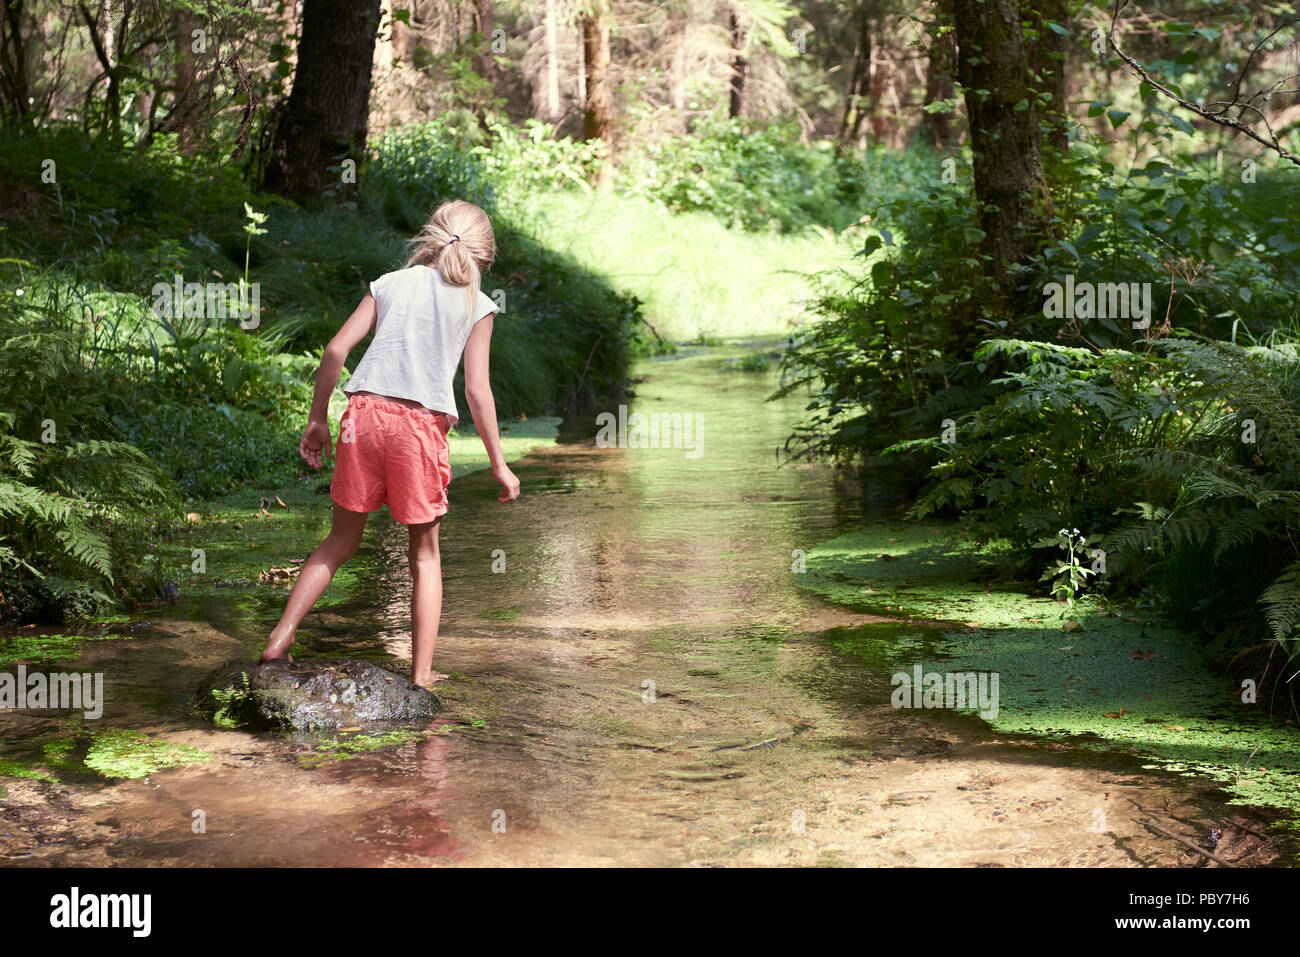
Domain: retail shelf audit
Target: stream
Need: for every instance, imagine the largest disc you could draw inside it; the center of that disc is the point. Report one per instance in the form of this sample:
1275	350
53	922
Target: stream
645	683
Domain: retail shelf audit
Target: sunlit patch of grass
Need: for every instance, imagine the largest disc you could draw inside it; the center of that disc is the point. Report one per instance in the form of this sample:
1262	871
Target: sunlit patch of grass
695	276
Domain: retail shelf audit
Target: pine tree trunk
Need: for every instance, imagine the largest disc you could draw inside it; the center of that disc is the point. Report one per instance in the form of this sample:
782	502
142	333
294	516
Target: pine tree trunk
484	62
739	66
851	122
552	62
677	72
15	81
327	116
598	115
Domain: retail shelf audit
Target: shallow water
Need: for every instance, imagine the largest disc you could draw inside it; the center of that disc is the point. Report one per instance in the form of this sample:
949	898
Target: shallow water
644	684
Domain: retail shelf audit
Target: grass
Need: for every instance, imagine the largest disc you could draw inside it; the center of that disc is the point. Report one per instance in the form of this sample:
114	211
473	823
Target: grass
696	278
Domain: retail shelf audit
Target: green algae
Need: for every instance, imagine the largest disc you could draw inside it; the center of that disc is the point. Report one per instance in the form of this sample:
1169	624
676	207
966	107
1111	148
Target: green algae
121	753
17	769
1103	678
108	752
43	648
345	748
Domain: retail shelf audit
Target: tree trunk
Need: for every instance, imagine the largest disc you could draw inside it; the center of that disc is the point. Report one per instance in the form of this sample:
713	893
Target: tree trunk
940	68
1005	141
105	49
552	62
15	81
739	66
598	115
851	122
185	109
484	62
677	71
884	127
327	115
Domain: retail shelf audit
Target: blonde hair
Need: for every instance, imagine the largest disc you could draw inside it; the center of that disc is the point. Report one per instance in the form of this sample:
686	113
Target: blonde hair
457	241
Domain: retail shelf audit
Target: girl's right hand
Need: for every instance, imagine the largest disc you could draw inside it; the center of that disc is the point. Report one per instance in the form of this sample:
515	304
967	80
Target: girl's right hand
509	484
315	438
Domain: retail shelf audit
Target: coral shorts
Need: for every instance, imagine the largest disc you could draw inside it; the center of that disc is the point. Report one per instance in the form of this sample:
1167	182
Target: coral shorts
392	454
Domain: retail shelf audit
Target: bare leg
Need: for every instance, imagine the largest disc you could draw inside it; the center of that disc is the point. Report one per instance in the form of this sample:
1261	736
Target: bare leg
316	574
426	600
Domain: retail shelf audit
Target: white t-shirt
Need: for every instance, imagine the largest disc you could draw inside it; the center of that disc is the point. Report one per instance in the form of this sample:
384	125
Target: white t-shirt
420	335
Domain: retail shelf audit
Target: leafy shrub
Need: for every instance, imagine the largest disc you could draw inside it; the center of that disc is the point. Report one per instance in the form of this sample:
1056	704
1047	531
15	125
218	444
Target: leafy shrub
891	357
1182	459
75	500
760	178
534	158
417	167
211	449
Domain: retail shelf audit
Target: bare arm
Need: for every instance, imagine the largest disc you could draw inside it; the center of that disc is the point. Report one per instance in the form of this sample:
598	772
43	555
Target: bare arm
483	408
316	437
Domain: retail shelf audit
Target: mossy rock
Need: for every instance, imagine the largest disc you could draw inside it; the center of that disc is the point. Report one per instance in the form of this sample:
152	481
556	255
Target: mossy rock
318	695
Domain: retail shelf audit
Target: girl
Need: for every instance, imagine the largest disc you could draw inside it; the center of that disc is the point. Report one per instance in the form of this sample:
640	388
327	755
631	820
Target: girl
393	437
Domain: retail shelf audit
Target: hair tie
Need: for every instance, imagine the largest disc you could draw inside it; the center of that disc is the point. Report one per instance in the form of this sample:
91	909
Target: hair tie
454	239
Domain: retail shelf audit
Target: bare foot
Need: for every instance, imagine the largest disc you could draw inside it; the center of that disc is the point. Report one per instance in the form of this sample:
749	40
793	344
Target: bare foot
276	649
434	676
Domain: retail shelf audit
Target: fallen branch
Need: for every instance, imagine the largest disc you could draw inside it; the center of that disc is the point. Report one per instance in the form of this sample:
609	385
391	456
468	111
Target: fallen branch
1182	840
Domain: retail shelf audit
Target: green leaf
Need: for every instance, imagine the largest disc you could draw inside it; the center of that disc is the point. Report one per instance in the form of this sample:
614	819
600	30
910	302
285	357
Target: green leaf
1117	117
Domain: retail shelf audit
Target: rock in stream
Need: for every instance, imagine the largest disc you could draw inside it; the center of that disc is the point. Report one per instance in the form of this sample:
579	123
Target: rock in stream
324	694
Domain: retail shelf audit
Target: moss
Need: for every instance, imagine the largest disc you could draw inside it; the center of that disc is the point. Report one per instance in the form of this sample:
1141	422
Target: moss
40	649
16	769
342	749
1104	678
119	753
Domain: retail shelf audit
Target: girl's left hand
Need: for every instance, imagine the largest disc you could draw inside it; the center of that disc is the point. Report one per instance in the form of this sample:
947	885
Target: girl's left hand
315	438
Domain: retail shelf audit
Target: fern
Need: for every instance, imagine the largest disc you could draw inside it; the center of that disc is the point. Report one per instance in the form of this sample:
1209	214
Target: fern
1281	601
